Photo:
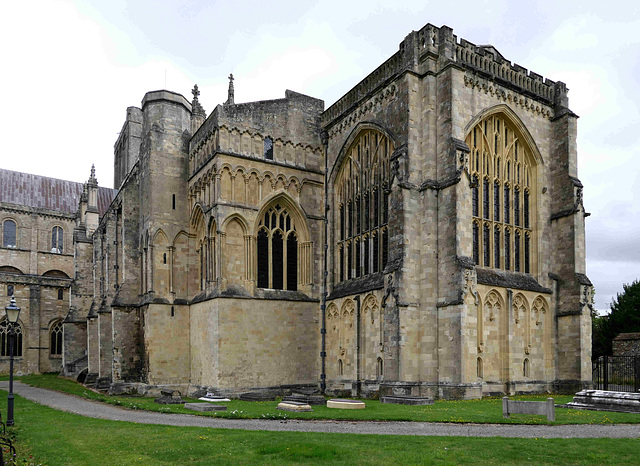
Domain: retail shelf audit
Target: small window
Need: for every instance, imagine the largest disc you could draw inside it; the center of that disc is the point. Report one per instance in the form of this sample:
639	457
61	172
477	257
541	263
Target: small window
57	240
60	293
479	368
9	234
525	367
268	148
173	312
4	339
9	290
55	346
340	367
173	201
380	368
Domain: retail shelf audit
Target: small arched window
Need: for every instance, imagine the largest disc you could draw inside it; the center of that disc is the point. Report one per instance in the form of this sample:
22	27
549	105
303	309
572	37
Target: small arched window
379	368
9	234
4	339
525	367
340	368
268	148
479	368
57	240
60	293
55	338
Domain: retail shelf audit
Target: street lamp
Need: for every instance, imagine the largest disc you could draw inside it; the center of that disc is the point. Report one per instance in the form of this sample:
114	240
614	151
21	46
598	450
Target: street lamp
13	312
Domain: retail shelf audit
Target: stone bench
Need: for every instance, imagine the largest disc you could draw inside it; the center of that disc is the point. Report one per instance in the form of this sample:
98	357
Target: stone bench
541	408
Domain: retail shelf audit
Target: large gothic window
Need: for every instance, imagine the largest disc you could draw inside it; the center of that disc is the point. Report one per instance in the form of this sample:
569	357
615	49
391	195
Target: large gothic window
55	338
277	250
362	206
503	177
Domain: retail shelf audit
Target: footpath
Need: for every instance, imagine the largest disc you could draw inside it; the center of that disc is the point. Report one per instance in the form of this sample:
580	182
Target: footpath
83	407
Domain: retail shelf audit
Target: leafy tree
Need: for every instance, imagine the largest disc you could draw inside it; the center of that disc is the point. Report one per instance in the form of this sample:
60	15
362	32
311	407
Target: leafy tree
623	318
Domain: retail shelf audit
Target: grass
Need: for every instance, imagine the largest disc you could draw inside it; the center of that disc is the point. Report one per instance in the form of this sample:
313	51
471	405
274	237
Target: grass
58	438
486	410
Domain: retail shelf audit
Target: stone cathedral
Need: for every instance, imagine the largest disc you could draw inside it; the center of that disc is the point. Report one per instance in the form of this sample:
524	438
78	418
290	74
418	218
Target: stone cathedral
424	235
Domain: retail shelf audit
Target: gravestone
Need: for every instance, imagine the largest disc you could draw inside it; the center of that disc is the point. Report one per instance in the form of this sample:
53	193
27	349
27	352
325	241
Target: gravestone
308	399
294	406
204	407
542	408
258	396
169	397
339	403
406	400
602	400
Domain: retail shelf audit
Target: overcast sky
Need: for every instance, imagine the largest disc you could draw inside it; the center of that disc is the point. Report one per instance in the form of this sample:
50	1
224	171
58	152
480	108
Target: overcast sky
70	69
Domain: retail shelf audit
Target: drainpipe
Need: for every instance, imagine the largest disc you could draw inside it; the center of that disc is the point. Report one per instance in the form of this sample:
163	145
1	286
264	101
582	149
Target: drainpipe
323	306
358	384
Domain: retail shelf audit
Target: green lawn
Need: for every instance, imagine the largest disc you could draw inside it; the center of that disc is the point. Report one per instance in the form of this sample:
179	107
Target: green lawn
487	410
59	438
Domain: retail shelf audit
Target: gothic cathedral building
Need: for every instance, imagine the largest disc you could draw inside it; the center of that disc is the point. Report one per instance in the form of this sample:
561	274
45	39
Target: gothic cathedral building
424	235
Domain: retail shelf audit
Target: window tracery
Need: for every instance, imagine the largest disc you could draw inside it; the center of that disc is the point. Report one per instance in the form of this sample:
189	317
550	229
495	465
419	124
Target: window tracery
4	339
277	250
362	200
503	207
55	338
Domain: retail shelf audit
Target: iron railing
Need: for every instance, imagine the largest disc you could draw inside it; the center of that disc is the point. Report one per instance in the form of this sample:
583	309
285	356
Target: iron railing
617	373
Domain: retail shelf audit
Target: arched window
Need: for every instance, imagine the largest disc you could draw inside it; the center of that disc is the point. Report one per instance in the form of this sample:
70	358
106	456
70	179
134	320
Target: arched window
340	368
268	148
525	367
4	339
57	240
362	206
504	163
277	250
55	338
9	234
379	368
479	368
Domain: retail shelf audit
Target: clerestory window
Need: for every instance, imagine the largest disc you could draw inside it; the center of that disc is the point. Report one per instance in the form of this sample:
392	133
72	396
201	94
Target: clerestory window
503	177
277	250
362	207
9	234
57	240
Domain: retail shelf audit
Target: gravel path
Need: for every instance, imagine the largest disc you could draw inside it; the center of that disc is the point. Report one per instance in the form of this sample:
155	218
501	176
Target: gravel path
76	405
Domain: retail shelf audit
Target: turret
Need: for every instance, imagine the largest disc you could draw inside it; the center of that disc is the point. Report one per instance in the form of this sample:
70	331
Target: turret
92	214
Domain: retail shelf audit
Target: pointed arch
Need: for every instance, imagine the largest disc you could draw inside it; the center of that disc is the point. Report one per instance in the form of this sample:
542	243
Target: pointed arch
504	197
283	250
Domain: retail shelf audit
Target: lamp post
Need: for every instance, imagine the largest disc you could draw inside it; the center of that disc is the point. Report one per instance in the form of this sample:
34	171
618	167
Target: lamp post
13	312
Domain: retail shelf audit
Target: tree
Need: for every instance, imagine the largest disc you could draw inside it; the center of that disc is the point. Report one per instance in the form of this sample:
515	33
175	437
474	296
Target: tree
623	318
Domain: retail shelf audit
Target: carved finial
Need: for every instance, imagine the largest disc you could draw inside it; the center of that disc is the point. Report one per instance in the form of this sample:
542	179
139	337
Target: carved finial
92	178
230	96
196	107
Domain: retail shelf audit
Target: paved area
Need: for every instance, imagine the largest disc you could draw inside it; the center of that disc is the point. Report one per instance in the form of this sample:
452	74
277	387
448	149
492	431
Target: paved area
76	405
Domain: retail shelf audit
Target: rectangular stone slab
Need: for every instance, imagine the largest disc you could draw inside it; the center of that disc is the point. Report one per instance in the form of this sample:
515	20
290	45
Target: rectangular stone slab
202	407
294	406
345	404
406	400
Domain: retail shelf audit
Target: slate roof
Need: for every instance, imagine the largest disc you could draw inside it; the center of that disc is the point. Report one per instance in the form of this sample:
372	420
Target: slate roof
47	193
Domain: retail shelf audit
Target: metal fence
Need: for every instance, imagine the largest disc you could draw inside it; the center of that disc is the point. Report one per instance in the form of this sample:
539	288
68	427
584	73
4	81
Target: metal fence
617	373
